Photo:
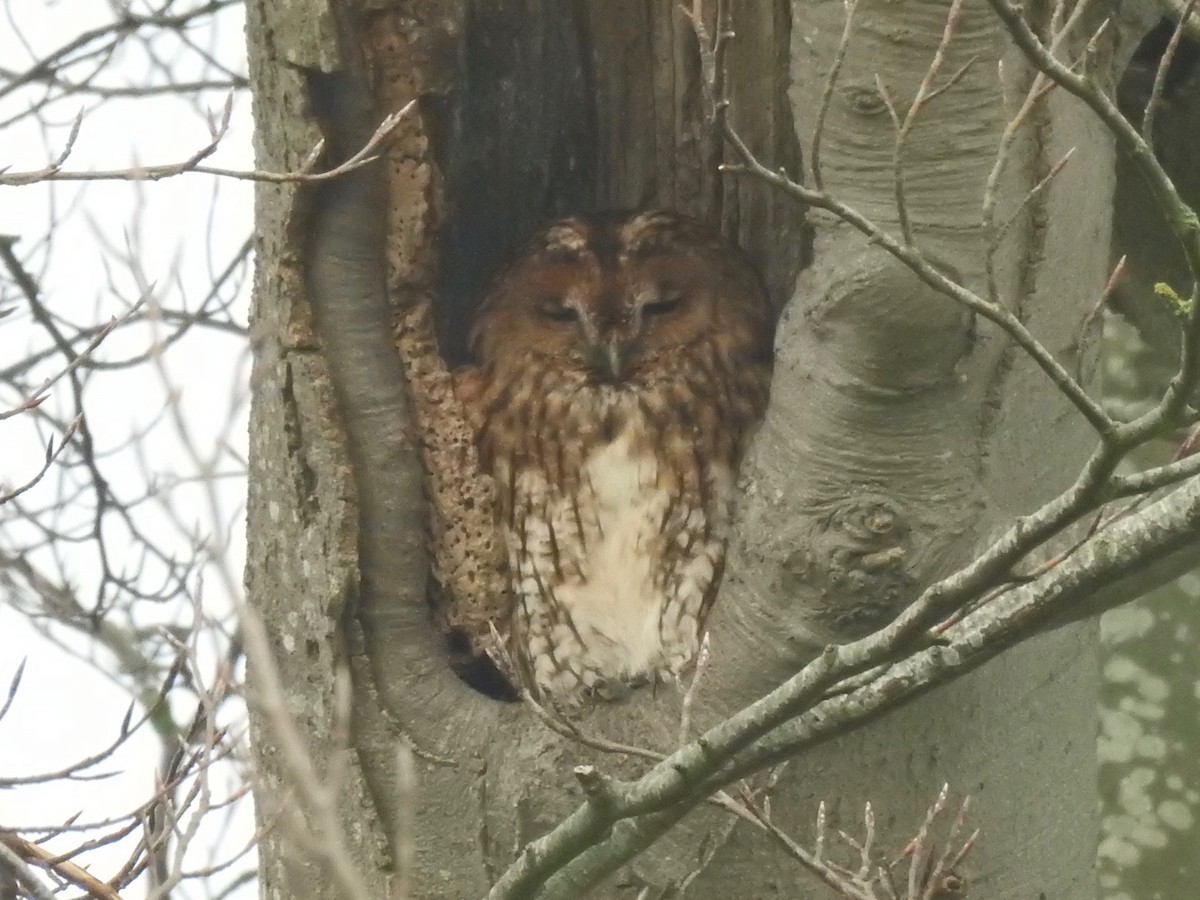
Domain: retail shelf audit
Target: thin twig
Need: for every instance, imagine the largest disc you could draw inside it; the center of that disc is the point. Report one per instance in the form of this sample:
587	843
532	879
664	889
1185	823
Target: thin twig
701	665
193	164
835	68
70	872
1160	75
1191	23
1180	218
405	840
925	93
561	726
1005	319
322	805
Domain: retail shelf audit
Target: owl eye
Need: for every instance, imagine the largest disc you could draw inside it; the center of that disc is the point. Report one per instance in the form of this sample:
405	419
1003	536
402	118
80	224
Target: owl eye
661	307
560	313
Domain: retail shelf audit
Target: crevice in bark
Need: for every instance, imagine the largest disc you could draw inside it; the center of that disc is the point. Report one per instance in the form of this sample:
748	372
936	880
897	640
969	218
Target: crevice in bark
516	140
306	475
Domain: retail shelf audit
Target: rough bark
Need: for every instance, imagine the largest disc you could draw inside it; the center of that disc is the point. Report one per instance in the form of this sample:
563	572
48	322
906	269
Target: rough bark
902	433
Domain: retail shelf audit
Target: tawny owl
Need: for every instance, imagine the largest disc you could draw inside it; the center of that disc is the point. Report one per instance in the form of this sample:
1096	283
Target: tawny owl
621	361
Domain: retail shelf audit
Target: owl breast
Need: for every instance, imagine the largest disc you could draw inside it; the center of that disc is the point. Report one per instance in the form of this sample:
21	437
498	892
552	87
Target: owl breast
613	568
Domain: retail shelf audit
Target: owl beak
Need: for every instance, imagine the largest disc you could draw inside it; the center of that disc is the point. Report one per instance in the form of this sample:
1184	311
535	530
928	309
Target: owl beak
613	358
618	355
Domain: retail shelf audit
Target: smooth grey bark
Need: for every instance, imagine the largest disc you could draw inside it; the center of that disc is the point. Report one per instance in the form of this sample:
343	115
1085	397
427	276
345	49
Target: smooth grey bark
902	433
913	432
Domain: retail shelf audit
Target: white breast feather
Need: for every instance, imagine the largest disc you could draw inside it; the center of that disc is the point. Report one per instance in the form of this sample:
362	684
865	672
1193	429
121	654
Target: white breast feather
611	581
627	615
617	608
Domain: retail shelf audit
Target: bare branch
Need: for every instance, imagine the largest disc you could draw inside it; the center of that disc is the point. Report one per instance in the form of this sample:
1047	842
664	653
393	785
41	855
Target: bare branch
367	154
925	94
1175	9
30	852
701	666
835	68
936	279
322	803
1181	219
1160	74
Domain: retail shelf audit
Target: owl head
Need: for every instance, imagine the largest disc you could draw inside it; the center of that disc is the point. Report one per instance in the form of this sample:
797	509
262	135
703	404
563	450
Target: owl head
611	296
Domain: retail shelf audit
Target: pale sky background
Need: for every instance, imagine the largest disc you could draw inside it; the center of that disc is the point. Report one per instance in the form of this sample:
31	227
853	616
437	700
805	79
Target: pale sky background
177	232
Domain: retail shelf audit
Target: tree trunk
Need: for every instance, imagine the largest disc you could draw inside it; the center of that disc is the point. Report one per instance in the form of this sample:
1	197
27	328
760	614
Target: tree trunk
901	435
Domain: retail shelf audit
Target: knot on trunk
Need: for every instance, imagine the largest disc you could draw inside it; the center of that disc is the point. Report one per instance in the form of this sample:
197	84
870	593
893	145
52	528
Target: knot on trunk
851	567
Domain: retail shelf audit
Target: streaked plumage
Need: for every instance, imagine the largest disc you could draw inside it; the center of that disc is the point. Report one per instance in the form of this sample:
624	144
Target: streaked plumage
621	361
